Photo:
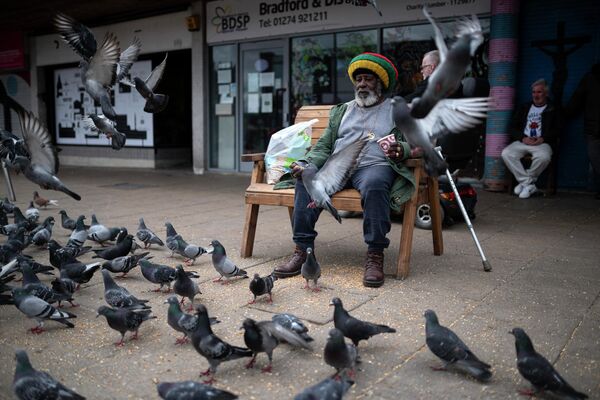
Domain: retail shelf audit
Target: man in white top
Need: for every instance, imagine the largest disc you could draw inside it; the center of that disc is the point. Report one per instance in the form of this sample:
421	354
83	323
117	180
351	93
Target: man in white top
535	132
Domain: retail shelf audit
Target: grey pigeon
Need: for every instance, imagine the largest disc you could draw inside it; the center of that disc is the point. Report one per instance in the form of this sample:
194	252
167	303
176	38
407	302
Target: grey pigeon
182	322
79	234
340	355
452	351
265	336
42	236
154	102
161	274
332	388
223	265
260	286
146	236
127	58
294	323
35	287
100	233
190	390
109	128
539	371
185	287
40	310
124	264
211	347
311	270
332	176
42	201
77	35
178	245
32	213
7	206
454	62
42	177
355	329
30	384
65	221
117	296
448	116
125	319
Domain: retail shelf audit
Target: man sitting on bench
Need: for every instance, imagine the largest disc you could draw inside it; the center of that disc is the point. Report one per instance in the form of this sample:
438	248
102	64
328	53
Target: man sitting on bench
382	179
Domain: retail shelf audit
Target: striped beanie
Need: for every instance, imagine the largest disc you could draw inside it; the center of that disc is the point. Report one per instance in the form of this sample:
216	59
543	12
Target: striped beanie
377	64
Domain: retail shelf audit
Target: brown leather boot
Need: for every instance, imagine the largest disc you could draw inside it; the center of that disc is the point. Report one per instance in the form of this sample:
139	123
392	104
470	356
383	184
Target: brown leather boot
373	276
292	266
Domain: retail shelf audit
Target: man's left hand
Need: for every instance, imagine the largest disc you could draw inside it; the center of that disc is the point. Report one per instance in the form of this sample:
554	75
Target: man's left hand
395	152
537	141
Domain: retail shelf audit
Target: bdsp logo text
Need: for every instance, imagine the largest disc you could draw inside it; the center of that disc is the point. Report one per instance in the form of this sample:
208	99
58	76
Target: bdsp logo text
225	22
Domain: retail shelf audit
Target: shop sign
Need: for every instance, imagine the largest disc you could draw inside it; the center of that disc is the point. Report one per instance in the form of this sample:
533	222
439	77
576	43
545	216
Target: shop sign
12	51
242	19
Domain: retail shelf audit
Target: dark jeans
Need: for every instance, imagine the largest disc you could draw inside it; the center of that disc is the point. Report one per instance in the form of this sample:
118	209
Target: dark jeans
374	184
593	146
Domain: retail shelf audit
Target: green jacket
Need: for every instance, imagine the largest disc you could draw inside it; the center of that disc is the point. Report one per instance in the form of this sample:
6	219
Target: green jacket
403	186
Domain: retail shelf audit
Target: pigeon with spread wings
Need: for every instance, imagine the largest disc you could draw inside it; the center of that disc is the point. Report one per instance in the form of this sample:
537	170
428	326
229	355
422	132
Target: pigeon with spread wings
155	102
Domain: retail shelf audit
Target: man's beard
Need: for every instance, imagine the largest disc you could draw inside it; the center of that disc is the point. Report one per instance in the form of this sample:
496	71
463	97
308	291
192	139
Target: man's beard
369	98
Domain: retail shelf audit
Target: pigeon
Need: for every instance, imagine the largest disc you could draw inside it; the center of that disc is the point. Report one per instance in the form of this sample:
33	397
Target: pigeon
60	255
452	351
332	388
340	355
448	116
176	244
7	206
9	268
45	179
109	128
294	323
39	310
127	58
311	270
30	384
185	287
124	264
154	102
147	236
43	202
264	336
331	178
117	296
260	286
161	274
454	63
42	236
22	220
32	213
77	35
355	329
182	322
35	287
125	319
190	390
224	266
65	287
211	347
78	271
120	249
100	233
3	217
539	371
65	221
79	234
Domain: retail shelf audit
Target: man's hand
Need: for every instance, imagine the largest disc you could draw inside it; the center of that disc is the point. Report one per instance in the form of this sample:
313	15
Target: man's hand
533	141
298	168
395	152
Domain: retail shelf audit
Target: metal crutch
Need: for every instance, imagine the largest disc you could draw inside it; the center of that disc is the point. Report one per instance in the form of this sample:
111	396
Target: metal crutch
9	185
486	264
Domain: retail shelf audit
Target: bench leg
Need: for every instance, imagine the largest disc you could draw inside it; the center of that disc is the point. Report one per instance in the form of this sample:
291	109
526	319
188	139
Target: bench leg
408	226
249	230
436	217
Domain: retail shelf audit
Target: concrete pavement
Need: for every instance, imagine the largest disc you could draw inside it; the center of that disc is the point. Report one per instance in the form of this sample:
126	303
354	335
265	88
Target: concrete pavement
546	279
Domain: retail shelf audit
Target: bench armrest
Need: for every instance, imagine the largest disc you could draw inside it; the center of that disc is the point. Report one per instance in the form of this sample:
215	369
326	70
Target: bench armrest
252	157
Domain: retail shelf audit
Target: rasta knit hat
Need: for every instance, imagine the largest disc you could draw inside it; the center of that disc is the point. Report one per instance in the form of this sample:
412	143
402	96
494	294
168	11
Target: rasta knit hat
377	64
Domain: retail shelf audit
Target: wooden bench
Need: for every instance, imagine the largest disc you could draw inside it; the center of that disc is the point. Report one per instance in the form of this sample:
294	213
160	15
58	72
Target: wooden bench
260	193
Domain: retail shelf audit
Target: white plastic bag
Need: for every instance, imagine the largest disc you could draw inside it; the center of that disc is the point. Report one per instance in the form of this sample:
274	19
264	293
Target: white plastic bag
285	147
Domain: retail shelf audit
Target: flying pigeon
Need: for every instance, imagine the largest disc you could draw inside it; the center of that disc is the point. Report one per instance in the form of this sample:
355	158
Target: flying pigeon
340	355
452	351
154	102
211	347
448	116
332	388
190	390
355	329
539	371
40	310
125	319
117	296
147	236
260	286
224	266
311	270
185	287
109	128
332	176
454	62
264	336
294	323
30	384
42	201
182	322
124	264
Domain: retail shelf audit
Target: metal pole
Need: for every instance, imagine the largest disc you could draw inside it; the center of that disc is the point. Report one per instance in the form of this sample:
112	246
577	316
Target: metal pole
9	185
486	264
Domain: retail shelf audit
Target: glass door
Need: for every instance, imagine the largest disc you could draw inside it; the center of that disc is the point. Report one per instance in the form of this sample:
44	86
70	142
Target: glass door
264	108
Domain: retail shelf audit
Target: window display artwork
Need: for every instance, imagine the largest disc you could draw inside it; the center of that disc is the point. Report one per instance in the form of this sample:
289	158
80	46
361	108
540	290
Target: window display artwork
73	105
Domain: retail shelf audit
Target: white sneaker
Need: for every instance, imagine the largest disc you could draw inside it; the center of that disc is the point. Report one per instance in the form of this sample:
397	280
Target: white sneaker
518	189
527	191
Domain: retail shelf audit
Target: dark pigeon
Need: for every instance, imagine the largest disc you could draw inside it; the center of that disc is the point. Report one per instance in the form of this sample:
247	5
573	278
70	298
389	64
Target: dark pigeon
157	273
311	270
35	287
539	371
65	287
190	390
261	286
182	322
355	329
340	355
30	384
332	388
294	323
185	287
117	296
120	249
449	348
155	102
78	271
39	310
124	319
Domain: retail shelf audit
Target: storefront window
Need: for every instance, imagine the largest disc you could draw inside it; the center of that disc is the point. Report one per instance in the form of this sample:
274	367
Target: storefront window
223	94
349	45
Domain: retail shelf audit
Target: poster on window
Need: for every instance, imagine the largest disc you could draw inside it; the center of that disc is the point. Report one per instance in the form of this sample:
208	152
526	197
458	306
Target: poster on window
73	105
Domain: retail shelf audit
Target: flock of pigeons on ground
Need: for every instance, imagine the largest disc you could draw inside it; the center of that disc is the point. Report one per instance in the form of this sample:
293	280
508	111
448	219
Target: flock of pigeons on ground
125	312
